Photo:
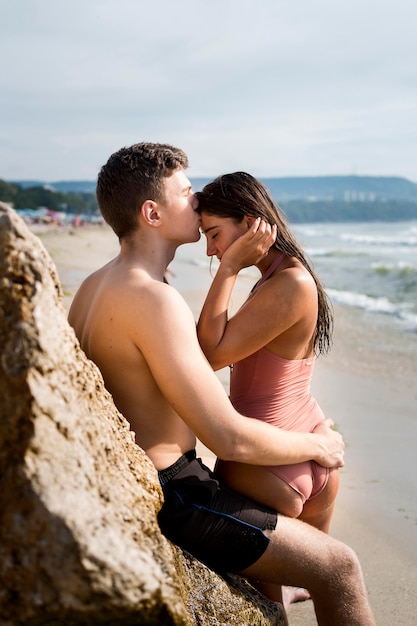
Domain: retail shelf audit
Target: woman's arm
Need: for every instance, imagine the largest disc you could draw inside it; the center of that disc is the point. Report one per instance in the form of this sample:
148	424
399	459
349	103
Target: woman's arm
281	314
244	252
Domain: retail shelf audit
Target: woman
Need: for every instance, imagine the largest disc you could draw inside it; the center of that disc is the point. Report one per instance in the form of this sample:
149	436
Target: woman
271	343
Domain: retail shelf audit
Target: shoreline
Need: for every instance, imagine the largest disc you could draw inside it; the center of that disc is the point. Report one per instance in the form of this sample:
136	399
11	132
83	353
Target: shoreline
367	385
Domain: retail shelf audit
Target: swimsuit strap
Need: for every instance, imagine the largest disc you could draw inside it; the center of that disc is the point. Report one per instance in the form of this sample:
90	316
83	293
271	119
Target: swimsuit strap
269	271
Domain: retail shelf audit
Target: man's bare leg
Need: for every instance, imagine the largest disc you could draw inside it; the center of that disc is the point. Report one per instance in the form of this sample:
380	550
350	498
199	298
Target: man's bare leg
302	556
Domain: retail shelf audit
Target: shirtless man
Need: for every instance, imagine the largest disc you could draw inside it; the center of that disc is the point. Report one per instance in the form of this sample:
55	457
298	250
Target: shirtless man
142	335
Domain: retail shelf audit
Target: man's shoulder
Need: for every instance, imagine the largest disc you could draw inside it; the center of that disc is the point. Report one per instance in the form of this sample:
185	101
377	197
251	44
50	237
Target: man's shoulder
157	317
164	296
140	294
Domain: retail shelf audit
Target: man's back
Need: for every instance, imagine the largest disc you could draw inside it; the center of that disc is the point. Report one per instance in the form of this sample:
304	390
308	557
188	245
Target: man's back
114	313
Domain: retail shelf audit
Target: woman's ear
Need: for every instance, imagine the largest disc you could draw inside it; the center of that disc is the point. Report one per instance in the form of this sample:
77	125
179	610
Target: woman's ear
248	220
150	213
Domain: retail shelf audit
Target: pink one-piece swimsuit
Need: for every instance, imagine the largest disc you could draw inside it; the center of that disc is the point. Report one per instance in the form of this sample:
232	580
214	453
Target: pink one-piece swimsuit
276	390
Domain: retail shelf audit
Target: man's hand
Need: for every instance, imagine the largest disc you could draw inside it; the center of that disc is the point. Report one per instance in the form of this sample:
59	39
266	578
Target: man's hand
331	445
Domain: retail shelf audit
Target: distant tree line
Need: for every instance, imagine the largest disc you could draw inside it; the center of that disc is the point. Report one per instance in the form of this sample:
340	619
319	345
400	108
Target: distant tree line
297	211
40	196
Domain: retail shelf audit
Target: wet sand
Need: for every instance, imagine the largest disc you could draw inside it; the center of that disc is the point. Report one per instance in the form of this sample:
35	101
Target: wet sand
367	385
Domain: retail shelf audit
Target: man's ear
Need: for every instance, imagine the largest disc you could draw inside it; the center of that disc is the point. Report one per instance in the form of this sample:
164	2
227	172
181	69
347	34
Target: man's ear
150	213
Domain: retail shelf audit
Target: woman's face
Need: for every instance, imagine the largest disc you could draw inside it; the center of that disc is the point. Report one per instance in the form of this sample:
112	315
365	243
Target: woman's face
220	233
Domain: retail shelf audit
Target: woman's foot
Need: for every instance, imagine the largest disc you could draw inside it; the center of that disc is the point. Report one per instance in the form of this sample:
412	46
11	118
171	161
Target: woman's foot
290	595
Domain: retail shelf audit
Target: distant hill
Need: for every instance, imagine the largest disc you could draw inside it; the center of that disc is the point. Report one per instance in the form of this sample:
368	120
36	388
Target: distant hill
311	188
335	188
303	199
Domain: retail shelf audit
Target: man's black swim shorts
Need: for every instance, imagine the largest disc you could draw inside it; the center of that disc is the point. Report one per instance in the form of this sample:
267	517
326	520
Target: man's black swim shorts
218	526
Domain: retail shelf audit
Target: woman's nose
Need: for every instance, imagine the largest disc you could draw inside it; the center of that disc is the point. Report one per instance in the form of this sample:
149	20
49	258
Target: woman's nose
210	249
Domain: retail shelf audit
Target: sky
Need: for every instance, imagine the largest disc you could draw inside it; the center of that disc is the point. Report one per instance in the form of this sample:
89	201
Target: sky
271	87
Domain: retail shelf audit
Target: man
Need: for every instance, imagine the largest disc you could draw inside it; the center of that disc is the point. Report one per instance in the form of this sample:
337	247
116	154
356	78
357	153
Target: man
142	335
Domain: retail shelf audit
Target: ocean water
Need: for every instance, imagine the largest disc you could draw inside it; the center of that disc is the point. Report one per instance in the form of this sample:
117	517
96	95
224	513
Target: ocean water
370	266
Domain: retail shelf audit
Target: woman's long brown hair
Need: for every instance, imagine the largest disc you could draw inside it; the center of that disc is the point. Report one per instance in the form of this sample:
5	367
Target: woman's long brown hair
239	194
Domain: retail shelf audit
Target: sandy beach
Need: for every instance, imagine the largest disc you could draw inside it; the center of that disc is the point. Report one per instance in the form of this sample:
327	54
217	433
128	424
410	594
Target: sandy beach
367	385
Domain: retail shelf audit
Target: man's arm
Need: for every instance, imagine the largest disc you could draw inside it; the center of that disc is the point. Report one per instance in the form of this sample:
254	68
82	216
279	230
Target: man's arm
167	339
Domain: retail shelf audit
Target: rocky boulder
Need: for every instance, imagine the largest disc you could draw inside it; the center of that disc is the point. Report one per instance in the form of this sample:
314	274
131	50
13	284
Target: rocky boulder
79	539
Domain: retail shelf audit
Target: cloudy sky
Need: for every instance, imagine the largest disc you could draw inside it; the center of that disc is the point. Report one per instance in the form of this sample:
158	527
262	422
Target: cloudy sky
273	87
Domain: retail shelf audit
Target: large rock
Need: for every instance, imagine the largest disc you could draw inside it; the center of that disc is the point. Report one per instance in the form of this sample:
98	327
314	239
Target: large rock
79	539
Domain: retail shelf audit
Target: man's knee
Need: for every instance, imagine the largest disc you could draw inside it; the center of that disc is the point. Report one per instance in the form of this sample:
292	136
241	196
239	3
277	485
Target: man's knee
344	564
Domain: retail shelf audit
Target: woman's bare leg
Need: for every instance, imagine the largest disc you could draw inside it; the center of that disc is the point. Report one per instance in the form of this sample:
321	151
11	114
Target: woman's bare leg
318	511
285	594
259	484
